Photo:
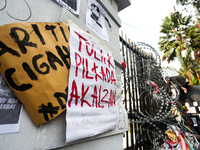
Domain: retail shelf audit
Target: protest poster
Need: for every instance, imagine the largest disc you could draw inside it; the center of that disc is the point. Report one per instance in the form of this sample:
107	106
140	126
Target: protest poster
95	19
72	5
35	62
10	109
191	110
91	105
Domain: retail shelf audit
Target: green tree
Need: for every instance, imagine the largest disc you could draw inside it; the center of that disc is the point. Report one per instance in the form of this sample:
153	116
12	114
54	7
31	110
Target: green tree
189	69
194	3
193	33
171	43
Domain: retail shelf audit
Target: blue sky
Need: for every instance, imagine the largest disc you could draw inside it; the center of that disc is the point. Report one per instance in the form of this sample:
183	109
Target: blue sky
141	21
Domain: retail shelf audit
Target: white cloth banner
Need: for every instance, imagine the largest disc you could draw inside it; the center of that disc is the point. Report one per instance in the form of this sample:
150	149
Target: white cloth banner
95	19
91	105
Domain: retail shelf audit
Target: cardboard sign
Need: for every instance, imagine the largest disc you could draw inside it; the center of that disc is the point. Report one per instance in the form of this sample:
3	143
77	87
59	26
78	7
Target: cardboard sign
35	62
91	105
171	135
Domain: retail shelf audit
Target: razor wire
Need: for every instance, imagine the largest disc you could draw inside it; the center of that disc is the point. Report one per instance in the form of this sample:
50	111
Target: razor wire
143	81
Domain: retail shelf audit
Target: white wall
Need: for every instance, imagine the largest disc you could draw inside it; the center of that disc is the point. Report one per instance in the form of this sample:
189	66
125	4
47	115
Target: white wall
52	135
49	11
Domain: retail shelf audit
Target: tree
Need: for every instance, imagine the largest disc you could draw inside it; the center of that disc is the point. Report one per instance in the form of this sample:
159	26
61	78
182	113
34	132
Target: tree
189	69
193	33
194	3
171	43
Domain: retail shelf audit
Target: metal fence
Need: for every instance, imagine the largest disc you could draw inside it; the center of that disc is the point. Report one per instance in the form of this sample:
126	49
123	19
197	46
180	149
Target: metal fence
139	81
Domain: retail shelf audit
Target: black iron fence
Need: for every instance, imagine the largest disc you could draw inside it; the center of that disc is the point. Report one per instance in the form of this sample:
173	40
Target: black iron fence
140	82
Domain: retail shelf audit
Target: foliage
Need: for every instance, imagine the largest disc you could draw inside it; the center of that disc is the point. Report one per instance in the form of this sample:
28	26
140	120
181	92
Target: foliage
189	68
193	33
171	43
193	3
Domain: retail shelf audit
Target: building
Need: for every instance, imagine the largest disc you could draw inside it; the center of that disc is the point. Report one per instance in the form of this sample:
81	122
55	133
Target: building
52	134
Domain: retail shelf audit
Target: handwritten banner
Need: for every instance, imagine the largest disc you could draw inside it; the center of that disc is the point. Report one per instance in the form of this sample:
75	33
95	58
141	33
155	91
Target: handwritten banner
35	62
91	105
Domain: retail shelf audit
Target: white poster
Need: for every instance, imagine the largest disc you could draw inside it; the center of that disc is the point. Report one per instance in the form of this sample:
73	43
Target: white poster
194	122
95	19
10	109
71	5
91	105
191	110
